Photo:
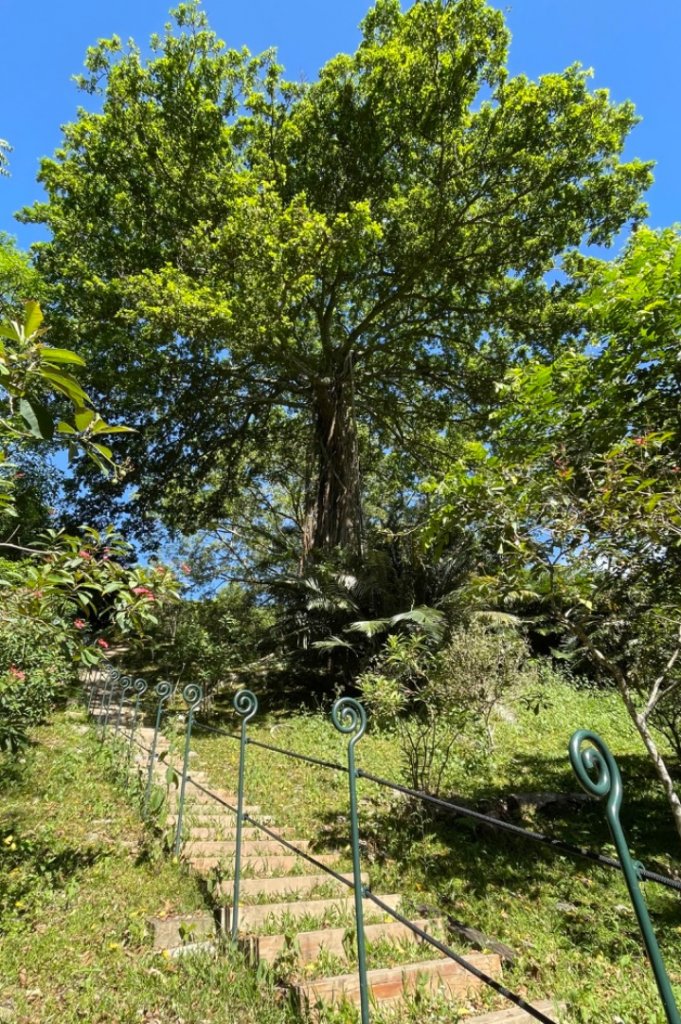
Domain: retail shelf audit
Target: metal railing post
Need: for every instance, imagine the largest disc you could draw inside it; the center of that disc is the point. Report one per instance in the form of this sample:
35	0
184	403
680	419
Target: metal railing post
125	689
245	705
192	695
598	774
349	716
162	691
115	680
140	688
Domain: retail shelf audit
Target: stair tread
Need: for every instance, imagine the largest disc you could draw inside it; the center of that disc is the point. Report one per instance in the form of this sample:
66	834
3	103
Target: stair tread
392	983
331	940
283	884
514	1014
254	915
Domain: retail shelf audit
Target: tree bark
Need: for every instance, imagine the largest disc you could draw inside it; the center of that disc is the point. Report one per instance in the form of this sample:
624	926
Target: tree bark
638	718
661	770
334	516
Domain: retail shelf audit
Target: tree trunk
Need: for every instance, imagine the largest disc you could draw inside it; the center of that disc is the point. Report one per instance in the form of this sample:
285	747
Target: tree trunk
334	517
660	767
638	718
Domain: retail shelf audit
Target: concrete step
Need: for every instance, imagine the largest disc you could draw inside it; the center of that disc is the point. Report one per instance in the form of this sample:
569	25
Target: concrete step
178	929
272	865
334	941
227	847
391	984
514	1015
299	884
260	914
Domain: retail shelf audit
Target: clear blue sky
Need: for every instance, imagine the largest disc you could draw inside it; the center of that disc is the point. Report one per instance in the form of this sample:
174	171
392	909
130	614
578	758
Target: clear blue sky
633	47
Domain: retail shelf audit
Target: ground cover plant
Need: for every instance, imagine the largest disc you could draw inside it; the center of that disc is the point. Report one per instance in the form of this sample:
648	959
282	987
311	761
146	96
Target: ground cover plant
570	923
79	877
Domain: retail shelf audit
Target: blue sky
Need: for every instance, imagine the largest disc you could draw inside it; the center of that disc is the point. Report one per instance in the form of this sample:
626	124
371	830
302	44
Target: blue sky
633	47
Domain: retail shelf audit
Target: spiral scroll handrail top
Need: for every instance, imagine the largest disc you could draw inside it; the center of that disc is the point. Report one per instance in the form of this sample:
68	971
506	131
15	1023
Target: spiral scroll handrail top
349	716
163	689
140	686
245	704
596	759
192	695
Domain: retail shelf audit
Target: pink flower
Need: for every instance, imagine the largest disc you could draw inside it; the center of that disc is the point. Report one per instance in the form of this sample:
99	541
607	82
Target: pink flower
144	592
17	673
102	643
642	441
79	623
84	554
37	593
186	569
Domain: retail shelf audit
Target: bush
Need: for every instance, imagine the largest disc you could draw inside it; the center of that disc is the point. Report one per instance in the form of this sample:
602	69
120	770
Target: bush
440	701
32	673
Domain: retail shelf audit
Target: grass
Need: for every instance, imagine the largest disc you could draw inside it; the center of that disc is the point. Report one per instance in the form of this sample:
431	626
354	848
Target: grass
80	874
569	922
79	878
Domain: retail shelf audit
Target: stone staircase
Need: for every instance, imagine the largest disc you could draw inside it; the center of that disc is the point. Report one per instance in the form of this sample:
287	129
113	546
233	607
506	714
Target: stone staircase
301	923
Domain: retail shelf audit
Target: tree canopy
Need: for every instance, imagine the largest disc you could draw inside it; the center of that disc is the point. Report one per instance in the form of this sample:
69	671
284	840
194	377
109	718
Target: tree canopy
280	284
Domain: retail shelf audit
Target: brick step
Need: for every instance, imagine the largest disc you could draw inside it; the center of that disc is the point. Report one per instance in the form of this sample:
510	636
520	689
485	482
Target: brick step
300	884
260	866
514	1015
207	806
391	984
225	819
227	832
260	914
309	945
227	848
197	796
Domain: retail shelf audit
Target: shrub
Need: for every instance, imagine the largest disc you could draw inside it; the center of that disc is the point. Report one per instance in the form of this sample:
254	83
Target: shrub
440	701
32	672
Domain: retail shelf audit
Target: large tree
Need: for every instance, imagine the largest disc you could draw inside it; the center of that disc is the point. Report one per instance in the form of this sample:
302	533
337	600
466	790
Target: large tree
293	280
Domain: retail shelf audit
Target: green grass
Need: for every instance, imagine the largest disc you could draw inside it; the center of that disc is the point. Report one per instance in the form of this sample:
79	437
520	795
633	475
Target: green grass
79	878
569	922
80	875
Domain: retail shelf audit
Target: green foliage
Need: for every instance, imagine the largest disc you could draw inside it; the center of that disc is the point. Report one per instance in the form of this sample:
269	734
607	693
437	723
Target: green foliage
211	641
580	487
32	672
441	700
18	279
31	373
214	233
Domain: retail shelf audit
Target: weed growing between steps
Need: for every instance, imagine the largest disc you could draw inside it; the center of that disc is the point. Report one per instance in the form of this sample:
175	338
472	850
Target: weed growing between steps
569	922
79	877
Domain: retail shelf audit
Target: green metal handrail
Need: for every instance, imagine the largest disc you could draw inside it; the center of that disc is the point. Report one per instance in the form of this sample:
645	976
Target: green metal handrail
192	696
163	691
245	705
598	774
348	716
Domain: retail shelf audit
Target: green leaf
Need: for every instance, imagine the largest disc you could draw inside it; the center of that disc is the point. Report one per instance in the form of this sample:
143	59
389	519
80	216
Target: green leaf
67	385
61	355
37	419
33	318
83	418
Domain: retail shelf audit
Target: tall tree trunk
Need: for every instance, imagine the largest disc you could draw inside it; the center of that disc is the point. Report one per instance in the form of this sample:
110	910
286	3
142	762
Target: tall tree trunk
334	516
638	718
